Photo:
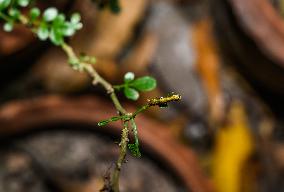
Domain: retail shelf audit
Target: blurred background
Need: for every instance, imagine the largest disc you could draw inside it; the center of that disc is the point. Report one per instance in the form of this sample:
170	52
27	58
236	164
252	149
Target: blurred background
226	59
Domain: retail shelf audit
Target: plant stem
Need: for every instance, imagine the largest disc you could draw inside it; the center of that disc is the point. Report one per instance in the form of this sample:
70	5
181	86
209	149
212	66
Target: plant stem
97	79
140	110
108	87
118	87
123	150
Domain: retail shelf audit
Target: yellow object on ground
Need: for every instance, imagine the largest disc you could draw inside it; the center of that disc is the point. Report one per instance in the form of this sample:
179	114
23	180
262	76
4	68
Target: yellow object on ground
234	146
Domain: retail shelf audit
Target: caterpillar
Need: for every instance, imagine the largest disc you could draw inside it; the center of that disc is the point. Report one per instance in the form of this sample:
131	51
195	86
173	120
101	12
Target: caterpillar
163	101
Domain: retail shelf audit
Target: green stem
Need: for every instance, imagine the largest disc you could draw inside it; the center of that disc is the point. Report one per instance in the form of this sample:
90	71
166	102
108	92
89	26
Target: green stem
140	110
119	87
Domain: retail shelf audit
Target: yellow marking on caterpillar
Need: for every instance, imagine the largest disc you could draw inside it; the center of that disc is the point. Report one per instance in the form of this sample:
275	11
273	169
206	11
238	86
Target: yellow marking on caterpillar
163	101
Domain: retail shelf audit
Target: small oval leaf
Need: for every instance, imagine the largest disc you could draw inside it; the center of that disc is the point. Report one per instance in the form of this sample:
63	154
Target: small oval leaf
43	31
8	27
4	4
50	14
134	149
146	83
131	93
129	76
34	13
23	3
103	123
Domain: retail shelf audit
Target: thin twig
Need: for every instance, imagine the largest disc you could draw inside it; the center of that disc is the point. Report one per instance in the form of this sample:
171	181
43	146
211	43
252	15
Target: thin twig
97	79
108	87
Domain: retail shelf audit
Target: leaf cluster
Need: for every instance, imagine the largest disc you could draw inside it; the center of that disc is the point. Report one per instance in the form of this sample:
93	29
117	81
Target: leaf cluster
49	24
132	86
12	10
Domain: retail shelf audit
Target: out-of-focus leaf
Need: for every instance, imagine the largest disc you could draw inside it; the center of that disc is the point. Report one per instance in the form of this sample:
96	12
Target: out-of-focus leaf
234	146
8	26
50	14
129	76
34	13
4	4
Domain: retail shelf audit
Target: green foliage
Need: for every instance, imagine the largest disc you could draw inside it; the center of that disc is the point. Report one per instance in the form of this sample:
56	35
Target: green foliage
131	93
134	147
16	3
8	26
55	26
132	86
43	32
23	3
144	83
50	14
4	4
105	122
129	76
50	25
34	14
87	58
14	13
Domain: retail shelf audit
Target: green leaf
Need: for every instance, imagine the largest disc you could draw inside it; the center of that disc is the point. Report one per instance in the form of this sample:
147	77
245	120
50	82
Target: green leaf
43	31
103	123
78	26
74	61
8	27
75	18
56	37
14	13
92	60
34	13
23	3
68	30
4	4
50	14
59	20
146	83
129	76
131	93
86	58
134	149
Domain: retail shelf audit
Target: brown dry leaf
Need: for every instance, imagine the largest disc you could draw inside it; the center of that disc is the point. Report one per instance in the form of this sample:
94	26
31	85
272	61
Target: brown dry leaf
55	73
14	41
112	31
140	57
208	65
105	34
234	145
94	184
